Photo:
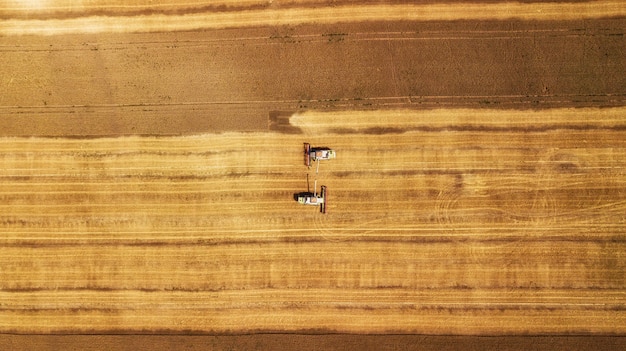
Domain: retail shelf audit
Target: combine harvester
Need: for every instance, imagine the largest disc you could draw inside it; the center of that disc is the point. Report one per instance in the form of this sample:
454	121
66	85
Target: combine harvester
314	199
317	154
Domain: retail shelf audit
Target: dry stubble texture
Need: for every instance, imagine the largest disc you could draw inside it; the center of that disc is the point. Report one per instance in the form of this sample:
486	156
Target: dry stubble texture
452	221
466	225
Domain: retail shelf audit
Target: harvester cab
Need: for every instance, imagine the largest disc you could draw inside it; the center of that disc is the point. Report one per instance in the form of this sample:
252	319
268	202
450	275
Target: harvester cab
313	199
312	154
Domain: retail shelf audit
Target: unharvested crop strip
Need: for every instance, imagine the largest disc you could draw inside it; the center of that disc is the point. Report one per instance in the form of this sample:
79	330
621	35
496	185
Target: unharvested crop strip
320	15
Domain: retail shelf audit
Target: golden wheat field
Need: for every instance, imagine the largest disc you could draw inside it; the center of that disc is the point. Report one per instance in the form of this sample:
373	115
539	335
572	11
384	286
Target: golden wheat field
473	224
151	153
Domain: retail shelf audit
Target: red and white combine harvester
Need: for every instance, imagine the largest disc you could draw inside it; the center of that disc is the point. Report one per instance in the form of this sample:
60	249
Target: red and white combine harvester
314	199
317	154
